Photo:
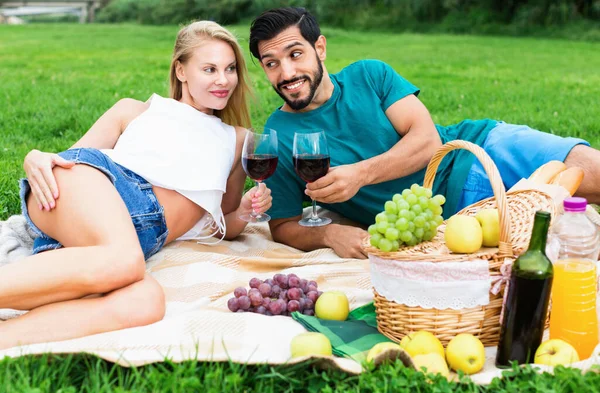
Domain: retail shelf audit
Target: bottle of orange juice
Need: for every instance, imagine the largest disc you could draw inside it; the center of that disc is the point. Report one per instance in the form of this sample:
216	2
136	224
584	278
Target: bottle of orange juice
575	244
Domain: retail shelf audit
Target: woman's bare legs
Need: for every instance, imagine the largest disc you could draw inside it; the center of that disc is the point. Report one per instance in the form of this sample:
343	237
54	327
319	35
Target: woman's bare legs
66	274
138	304
102	254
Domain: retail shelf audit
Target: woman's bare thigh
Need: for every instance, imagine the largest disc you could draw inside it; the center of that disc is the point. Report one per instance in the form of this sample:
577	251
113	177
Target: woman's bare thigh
88	212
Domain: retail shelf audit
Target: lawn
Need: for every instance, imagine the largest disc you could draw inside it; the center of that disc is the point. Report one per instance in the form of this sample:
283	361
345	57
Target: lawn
56	80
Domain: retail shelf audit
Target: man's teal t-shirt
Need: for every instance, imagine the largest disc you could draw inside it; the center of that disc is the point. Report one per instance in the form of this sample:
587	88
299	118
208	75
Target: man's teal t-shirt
357	129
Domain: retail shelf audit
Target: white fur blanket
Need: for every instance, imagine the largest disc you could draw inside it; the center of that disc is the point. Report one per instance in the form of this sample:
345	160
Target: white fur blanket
16	240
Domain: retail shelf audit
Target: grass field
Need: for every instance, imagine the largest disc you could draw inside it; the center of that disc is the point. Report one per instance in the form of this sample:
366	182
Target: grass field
56	80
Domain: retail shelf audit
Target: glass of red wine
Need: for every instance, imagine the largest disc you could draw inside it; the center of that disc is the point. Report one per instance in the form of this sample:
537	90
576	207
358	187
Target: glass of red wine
259	159
311	162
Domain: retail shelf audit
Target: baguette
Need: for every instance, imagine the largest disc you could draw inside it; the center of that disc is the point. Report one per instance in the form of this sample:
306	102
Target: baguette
570	179
545	173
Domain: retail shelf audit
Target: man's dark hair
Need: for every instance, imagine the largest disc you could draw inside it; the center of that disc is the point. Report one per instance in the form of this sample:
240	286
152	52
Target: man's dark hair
272	22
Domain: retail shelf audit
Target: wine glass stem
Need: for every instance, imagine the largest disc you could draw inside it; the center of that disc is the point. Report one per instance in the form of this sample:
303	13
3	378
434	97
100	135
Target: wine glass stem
254	213
314	215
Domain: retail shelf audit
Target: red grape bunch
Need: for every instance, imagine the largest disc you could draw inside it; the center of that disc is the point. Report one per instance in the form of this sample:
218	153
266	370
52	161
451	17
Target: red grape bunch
281	295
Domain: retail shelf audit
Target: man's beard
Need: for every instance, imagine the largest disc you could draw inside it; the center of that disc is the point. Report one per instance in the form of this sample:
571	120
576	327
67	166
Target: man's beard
314	84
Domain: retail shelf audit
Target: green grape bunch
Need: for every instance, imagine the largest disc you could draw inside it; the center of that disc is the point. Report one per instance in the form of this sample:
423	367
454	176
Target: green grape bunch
408	219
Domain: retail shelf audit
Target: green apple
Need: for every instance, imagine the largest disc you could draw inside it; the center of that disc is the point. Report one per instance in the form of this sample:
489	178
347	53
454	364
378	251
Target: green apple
465	353
490	226
332	305
311	343
381	348
421	343
463	234
554	352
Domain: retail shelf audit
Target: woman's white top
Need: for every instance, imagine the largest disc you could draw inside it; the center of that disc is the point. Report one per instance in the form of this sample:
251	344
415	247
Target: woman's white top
174	146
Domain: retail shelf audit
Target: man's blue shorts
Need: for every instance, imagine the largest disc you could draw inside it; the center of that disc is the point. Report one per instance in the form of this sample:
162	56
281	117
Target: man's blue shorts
517	151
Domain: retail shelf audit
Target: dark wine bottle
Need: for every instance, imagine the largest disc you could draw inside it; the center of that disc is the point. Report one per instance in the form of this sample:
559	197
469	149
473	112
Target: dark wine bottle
527	299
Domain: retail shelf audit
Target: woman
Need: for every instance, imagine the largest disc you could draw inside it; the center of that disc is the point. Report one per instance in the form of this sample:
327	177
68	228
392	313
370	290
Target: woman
144	175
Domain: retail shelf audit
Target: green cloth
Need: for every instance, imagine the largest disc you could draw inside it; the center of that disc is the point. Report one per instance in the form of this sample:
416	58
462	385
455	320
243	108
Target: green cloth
352	338
357	129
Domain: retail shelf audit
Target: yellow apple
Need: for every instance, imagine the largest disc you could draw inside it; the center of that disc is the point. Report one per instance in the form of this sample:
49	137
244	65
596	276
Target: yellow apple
465	353
421	343
381	348
463	234
332	305
311	343
434	363
406	339
490	226
554	352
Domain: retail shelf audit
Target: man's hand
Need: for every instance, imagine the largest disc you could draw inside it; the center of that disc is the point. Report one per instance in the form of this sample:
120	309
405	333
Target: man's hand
346	241
338	185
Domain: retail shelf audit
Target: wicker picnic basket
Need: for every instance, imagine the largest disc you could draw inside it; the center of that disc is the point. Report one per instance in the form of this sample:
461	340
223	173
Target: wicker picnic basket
516	213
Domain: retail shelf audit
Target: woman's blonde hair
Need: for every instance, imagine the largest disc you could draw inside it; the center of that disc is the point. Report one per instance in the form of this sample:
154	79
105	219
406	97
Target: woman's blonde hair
237	112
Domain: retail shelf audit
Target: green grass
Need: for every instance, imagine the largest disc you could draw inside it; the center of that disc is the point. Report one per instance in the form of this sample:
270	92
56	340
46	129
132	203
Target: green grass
84	373
56	80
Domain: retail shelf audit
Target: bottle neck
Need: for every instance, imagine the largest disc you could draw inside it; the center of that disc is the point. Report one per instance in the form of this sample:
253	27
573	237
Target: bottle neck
539	234
574	212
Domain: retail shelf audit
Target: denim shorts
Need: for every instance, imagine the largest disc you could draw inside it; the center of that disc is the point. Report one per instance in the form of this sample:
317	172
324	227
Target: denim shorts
517	151
146	212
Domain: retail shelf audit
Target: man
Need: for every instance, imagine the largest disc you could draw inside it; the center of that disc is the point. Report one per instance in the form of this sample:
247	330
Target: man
381	138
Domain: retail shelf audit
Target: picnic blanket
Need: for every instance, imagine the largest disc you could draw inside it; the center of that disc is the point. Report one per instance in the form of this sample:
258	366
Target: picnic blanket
199	279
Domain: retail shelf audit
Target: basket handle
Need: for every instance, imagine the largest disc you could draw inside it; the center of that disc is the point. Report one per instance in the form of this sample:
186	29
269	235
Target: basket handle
504	245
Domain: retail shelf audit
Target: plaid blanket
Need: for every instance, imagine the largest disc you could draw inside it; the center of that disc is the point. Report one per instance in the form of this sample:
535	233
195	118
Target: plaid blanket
198	280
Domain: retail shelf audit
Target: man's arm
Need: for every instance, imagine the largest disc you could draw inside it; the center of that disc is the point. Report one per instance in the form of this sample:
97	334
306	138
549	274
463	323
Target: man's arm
420	140
345	240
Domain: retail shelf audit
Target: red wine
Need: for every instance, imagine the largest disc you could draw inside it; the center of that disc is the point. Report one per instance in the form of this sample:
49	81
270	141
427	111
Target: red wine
311	167
527	299
526	308
260	166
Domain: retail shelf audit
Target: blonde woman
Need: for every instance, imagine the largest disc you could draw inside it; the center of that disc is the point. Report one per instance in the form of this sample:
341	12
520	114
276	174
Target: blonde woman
145	174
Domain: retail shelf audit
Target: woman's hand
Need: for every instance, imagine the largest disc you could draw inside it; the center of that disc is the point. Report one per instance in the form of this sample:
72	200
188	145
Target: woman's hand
258	199
38	167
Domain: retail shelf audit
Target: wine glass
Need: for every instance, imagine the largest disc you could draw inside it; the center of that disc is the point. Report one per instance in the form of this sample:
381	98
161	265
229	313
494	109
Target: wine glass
311	162
259	159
